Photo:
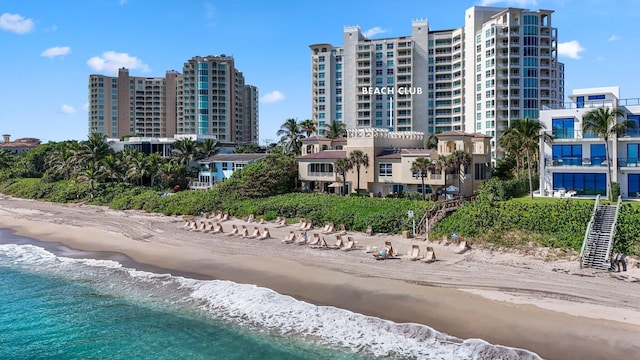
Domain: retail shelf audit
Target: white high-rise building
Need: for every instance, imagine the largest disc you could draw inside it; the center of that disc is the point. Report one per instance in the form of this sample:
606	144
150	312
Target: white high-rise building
501	65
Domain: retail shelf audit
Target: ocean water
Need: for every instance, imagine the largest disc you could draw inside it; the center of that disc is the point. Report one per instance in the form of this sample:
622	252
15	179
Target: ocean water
61	307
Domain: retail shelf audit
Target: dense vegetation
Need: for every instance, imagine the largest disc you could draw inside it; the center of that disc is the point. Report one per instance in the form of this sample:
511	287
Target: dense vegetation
87	172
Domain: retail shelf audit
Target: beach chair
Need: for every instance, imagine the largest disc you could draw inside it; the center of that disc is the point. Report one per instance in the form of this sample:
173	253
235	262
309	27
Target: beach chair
209	227
301	224
392	252
282	222
200	227
254	234
316	240
290	238
262	221
430	256
328	229
192	225
350	245
462	247
187	224
250	219
342	230
217	229
339	243
265	235
308	225
369	230
302	240
234	230
371	249
415	253
217	216
383	254
225	216
244	232
323	245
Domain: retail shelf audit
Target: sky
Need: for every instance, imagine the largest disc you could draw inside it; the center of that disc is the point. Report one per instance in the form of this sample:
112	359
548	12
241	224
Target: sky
48	49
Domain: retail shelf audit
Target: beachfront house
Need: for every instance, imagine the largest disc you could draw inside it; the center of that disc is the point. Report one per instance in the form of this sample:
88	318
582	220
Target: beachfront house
575	163
391	155
18	146
219	167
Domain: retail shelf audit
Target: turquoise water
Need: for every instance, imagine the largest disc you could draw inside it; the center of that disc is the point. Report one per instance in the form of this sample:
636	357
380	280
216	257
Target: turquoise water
60	307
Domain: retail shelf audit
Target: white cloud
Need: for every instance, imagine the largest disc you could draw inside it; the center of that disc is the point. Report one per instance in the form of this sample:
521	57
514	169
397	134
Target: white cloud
56	51
571	49
510	3
209	10
614	38
375	31
67	109
16	23
111	61
272	97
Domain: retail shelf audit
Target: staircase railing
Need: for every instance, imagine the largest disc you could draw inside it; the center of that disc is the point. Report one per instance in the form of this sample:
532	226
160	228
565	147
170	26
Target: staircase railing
613	228
588	231
438	211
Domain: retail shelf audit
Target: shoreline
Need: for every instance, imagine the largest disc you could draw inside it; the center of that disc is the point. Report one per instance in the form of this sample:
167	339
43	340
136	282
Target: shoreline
501	298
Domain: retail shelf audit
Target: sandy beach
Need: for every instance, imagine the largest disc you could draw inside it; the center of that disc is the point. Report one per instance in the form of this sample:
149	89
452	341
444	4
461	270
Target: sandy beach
535	299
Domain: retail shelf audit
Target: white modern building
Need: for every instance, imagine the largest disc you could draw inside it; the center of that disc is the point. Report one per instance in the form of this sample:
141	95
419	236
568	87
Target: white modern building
576	161
502	64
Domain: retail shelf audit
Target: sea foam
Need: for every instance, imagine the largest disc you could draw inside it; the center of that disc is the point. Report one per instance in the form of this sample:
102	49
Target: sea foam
261	309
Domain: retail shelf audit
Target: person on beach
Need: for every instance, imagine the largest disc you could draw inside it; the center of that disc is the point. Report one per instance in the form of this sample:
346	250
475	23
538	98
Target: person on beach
617	260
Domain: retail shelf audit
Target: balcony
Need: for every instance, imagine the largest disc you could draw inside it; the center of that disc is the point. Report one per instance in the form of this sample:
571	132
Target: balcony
597	161
569	134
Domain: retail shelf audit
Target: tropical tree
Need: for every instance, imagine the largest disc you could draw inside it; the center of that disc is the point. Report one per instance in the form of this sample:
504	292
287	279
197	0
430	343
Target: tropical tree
185	150
431	142
290	134
526	133
604	123
6	159
207	148
335	129
308	127
249	148
358	159
458	159
137	168
154	166
93	150
341	167
421	165
113	168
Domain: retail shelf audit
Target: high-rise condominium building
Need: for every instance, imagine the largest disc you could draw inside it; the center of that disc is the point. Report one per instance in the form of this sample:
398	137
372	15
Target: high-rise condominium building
501	65
210	97
213	99
128	105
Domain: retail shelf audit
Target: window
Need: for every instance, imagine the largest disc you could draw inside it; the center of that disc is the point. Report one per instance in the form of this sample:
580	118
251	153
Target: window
582	183
321	168
598	154
390	46
389	62
321	75
567	154
563	128
595	97
321	58
321	67
480	171
634	130
385	169
634	185
389	53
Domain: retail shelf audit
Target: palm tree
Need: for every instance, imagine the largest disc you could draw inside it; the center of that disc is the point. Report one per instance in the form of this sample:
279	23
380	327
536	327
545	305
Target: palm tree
527	134
137	168
207	148
113	168
336	129
290	134
341	167
93	150
154	165
431	142
422	166
249	148
603	122
185	150
308	127
358	159
459	159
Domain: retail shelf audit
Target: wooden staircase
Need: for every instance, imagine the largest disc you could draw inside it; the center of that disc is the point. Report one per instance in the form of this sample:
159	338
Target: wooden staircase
439	211
598	238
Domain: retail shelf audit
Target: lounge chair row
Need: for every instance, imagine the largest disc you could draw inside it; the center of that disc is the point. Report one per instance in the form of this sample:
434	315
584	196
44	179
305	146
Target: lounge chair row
218	216
319	242
243	231
415	253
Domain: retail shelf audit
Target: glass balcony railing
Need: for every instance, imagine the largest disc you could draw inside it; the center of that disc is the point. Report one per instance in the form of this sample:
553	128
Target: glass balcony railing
628	162
576	161
571	134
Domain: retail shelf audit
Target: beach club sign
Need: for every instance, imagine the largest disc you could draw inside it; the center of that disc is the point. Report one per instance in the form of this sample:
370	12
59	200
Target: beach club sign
390	90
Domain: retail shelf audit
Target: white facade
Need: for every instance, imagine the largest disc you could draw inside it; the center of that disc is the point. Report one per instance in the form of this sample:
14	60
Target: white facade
501	65
576	161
